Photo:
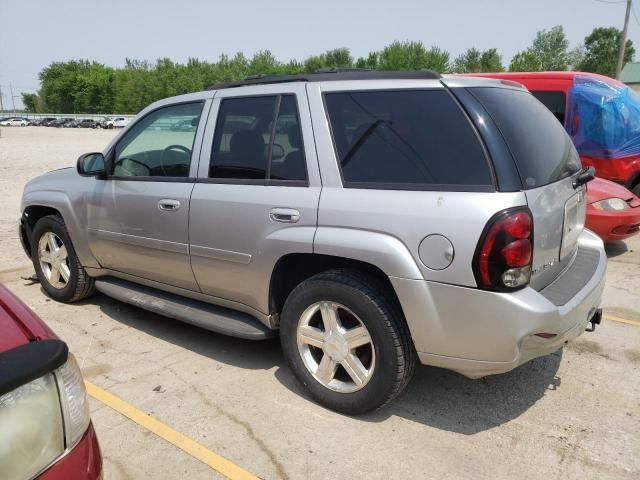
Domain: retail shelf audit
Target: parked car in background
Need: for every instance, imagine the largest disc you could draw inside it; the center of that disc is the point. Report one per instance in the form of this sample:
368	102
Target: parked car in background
45	428
60	122
602	116
402	216
597	111
46	121
116	122
613	212
15	122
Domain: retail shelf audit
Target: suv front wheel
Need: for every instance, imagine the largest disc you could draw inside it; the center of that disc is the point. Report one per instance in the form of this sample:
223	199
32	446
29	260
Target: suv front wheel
346	341
56	263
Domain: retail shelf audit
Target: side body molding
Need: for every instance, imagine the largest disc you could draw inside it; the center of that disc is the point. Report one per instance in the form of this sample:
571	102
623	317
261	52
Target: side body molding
386	252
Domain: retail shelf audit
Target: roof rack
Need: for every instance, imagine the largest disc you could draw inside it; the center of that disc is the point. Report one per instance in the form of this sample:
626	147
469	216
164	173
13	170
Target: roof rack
331	74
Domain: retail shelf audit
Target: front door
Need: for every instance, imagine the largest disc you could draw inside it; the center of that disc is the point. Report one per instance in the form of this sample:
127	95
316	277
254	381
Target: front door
257	192
139	217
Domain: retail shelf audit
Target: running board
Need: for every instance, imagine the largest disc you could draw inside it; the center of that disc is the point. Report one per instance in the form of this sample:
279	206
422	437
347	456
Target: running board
201	314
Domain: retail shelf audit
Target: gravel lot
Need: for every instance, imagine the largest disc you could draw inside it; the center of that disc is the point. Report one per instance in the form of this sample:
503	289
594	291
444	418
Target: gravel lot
572	414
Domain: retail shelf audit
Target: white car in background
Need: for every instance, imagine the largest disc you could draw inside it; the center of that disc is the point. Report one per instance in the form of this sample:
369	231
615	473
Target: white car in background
14	122
116	122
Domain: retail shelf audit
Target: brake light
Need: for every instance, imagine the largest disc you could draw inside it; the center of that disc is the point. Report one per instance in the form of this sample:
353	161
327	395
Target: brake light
504	254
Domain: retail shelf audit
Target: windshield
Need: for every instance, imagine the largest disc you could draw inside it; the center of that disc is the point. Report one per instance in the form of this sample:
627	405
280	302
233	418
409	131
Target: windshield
604	120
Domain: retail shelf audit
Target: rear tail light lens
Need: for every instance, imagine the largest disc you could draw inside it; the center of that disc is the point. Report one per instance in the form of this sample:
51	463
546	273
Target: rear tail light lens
504	254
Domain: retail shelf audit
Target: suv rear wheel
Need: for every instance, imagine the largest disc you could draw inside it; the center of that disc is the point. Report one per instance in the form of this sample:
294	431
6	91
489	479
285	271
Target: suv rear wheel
346	341
56	263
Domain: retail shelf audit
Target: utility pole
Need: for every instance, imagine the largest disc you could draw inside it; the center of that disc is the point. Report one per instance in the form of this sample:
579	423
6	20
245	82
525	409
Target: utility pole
13	102
623	41
1	106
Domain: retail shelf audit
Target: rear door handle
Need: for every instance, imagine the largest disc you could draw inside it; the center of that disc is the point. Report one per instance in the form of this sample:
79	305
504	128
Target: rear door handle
168	205
284	215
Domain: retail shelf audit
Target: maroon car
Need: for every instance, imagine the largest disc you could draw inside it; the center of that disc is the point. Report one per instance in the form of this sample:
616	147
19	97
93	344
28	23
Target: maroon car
45	428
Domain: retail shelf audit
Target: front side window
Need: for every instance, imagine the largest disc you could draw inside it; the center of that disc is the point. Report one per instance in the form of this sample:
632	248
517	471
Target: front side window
405	139
160	144
249	145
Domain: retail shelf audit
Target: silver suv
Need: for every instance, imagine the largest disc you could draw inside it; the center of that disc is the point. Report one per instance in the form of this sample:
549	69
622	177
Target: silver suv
370	219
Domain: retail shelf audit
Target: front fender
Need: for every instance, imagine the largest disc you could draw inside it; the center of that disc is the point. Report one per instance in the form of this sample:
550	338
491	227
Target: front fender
75	223
384	251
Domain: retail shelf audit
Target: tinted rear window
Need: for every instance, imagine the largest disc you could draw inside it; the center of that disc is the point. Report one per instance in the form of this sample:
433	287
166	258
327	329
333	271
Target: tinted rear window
541	148
554	101
405	139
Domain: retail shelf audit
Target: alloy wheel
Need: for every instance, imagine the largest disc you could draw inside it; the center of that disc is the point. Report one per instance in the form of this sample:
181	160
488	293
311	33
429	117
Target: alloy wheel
54	260
336	347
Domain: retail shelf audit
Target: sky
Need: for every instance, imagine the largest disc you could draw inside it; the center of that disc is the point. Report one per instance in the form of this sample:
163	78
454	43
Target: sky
34	33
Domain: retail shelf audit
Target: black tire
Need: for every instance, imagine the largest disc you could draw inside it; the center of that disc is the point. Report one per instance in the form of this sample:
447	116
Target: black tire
378	310
636	190
80	285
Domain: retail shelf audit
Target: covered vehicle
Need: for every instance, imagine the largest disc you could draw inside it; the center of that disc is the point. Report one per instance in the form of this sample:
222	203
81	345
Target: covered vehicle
602	117
45	428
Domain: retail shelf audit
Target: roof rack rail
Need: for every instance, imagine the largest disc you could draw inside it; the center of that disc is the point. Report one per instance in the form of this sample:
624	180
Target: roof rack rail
331	74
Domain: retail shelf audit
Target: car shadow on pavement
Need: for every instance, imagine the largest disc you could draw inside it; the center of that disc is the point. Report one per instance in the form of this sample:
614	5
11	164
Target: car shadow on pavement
449	401
248	354
435	397
615	249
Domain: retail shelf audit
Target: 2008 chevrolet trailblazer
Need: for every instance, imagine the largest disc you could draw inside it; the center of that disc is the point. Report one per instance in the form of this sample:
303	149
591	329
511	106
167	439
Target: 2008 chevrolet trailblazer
370	218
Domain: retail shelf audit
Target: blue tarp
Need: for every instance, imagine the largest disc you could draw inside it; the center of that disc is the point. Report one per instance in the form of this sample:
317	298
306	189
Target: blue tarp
604	121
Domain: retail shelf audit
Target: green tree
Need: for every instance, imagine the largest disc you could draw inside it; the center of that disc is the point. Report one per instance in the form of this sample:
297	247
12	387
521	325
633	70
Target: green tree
491	61
412	56
338	58
601	51
371	62
549	51
473	61
30	102
468	62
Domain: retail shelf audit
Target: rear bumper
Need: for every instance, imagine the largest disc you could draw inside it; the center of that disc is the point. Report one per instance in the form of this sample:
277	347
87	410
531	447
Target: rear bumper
478	333
82	461
614	225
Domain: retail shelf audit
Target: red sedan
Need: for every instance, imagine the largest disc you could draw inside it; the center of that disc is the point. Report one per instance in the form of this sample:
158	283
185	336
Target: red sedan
613	212
45	428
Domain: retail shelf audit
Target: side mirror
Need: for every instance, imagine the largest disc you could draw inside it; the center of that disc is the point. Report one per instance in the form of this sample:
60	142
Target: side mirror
92	165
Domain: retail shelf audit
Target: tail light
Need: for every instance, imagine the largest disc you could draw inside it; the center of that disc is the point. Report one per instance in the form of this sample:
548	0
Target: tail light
504	254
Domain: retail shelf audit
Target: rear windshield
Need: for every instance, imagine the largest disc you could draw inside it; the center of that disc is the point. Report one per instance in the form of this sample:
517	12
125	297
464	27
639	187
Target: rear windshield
405	139
540	146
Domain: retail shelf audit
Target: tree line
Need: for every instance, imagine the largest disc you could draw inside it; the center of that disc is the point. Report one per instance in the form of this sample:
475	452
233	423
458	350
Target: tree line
83	86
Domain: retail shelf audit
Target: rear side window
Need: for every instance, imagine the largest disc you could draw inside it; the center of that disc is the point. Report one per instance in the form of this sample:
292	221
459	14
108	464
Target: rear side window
554	101
405	139
541	148
258	138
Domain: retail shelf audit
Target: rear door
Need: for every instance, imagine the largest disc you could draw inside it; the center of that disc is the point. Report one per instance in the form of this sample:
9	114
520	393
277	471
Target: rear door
257	192
547	162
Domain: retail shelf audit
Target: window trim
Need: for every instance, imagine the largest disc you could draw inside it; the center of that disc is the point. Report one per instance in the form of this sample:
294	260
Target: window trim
491	187
266	181
112	151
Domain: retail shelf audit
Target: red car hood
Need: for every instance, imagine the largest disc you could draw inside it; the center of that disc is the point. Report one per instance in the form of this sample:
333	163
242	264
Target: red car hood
599	189
18	324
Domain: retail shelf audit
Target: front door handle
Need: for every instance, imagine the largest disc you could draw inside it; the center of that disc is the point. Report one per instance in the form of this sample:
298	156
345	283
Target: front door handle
284	215
168	205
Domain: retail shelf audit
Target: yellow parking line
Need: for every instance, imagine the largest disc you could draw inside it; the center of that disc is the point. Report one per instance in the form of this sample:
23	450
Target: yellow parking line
193	448
621	320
